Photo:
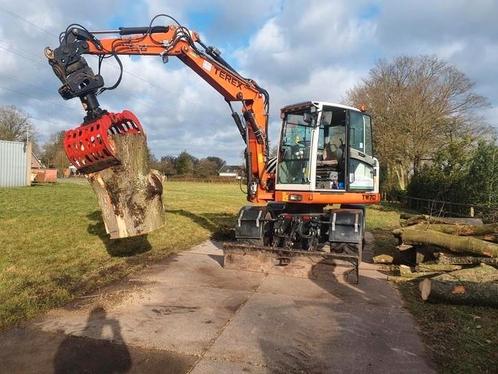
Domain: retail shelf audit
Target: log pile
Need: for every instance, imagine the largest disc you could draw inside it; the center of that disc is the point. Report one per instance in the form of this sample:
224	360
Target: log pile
455	260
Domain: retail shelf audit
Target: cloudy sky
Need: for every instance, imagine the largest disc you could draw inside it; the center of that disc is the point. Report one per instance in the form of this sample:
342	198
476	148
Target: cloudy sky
297	50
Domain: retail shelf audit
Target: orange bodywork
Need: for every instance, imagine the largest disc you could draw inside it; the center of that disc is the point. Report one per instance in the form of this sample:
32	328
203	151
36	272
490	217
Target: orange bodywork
327	198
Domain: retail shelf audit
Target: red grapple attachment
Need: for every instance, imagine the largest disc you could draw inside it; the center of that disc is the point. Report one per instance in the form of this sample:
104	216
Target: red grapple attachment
90	147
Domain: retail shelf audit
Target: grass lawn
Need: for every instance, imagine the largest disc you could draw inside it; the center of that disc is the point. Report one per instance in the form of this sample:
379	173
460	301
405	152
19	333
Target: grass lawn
53	245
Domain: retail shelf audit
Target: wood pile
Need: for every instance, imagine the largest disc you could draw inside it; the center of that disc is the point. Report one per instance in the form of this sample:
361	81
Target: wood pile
454	259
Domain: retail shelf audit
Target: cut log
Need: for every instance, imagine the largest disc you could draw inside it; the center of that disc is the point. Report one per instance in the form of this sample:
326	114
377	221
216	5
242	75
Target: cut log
399	279
438	267
453	243
423	218
383	259
460	230
491	238
394	269
475	286
407	215
130	194
406	272
444	258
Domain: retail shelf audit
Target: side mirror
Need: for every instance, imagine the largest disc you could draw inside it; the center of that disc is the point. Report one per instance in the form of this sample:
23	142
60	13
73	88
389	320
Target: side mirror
307	117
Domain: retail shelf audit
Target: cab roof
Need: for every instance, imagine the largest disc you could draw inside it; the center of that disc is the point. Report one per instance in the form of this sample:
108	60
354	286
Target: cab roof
305	104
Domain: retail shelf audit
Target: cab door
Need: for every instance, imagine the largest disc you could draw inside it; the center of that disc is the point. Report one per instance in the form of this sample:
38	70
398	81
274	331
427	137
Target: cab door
361	164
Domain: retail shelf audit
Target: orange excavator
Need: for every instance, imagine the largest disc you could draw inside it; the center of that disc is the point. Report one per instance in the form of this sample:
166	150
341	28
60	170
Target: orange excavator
324	159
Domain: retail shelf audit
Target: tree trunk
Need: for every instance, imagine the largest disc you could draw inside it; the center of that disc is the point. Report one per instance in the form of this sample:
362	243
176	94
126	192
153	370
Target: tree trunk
491	237
460	230
444	258
438	267
406	272
453	243
475	286
130	194
411	220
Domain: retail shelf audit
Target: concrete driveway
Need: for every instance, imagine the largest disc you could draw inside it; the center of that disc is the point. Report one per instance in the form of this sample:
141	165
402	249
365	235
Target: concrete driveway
189	315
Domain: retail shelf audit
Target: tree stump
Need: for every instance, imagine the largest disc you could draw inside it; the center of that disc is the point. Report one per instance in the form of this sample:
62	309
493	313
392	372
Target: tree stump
130	194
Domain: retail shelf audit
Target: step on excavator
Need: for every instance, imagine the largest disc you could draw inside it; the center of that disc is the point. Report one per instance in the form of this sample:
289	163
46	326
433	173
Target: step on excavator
307	205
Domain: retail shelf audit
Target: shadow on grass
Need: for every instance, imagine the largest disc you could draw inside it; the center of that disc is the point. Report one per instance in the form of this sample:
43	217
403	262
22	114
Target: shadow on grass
221	225
117	247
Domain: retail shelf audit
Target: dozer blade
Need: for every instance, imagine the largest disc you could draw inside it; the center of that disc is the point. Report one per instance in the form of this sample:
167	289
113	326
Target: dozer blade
90	147
293	263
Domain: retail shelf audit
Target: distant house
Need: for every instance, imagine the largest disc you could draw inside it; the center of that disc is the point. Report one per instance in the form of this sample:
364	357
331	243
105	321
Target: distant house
230	171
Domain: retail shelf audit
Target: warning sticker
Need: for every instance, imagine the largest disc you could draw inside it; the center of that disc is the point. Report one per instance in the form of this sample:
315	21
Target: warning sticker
206	65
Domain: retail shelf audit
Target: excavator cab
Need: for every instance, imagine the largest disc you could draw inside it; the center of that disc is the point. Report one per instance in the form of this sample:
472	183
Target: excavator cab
326	147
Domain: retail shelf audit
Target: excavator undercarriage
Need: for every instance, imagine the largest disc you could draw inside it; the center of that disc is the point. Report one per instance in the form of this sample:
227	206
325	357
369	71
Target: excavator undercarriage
297	241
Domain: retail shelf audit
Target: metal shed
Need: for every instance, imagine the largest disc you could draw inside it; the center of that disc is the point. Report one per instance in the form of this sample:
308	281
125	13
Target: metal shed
15	163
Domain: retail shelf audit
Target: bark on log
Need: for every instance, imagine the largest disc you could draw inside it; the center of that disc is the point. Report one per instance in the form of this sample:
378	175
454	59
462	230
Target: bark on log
438	267
394	269
406	272
491	238
475	286
453	243
399	279
130	194
424	218
460	230
444	258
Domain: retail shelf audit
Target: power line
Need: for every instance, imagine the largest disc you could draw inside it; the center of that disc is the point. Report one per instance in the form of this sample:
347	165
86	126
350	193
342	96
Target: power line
13	14
20	55
40	88
20	93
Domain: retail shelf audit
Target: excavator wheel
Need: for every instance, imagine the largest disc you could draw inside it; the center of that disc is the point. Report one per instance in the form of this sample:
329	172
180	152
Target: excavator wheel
90	147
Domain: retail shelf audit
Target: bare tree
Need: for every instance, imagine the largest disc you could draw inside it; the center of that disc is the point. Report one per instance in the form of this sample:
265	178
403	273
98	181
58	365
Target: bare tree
14	124
418	104
54	155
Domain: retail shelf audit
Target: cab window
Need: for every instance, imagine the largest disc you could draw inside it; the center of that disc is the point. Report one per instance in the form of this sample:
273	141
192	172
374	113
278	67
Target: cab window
356	131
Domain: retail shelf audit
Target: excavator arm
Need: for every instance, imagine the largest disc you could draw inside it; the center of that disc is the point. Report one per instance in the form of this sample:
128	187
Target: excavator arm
80	81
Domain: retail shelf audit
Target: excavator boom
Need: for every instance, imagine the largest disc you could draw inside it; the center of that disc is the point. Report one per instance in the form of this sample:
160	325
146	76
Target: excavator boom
89	147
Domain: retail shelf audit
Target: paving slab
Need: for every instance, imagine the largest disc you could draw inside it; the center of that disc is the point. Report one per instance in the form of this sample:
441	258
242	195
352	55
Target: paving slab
189	314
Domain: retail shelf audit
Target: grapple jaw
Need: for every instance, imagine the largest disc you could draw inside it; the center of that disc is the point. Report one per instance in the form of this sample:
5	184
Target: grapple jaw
90	147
